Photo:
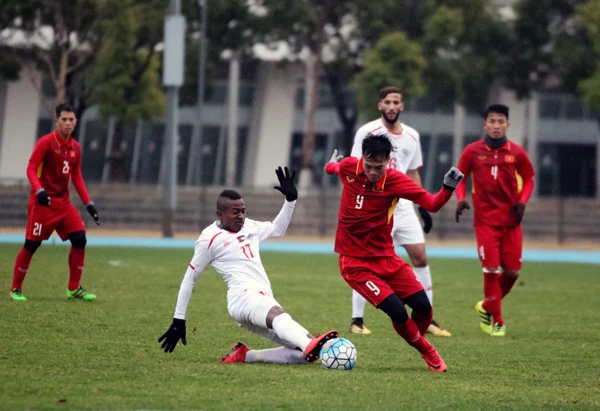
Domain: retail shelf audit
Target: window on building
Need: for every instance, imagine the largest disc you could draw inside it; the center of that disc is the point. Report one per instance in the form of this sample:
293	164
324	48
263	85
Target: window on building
567	170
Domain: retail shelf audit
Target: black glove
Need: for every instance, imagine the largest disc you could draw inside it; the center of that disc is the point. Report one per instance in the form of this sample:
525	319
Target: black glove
175	333
518	210
42	197
286	184
93	212
427	220
460	207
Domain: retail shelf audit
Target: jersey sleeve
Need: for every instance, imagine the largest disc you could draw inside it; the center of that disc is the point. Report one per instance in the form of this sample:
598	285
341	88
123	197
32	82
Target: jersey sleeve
357	146
202	257
417	160
279	225
36	159
464	165
77	179
404	187
525	170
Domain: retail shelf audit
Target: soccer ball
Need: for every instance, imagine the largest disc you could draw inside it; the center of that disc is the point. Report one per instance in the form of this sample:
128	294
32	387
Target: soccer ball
338	354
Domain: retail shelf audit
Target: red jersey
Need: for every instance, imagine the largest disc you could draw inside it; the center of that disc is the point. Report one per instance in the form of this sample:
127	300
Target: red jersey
501	177
53	162
365	218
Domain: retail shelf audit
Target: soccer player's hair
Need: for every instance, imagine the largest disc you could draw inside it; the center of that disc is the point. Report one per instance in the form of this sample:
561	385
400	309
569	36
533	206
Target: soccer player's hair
496	108
376	147
388	90
64	107
229	194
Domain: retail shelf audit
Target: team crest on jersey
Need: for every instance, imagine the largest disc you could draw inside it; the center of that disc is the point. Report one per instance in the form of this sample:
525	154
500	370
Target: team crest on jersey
72	153
350	179
405	152
509	159
481	157
249	237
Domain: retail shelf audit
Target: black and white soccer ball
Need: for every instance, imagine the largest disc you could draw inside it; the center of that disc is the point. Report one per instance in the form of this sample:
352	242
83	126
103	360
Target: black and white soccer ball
338	354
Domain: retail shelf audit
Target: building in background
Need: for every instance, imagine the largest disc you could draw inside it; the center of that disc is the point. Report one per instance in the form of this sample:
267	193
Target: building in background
558	130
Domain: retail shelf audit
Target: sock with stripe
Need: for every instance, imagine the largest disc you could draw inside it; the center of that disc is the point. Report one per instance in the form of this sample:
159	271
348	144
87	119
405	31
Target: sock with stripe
493	295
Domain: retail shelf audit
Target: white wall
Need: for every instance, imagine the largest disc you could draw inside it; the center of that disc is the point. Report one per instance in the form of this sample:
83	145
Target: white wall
19	127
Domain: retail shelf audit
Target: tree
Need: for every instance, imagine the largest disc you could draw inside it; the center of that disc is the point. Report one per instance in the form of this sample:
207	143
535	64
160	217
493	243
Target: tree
396	61
56	37
125	81
589	16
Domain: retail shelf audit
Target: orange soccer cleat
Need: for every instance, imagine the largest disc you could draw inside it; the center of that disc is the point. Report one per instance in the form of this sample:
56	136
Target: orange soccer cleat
237	353
312	351
434	361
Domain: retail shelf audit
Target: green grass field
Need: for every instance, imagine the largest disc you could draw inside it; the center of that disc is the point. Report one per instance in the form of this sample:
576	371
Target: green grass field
59	354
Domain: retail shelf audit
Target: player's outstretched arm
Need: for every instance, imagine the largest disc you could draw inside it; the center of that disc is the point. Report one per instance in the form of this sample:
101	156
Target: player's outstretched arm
286	183
175	333
332	166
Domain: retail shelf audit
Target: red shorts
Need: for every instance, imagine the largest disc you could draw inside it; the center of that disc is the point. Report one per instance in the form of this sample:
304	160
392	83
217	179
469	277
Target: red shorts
42	221
500	246
378	278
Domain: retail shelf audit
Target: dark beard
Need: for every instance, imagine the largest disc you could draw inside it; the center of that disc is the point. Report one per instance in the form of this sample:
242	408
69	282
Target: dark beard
387	118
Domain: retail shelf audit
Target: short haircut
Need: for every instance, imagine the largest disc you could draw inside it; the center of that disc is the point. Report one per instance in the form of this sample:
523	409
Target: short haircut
388	90
496	108
64	107
227	194
376	147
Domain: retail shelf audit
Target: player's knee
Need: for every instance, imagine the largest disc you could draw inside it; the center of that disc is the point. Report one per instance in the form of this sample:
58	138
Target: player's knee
78	239
419	260
394	308
419	303
31	246
273	313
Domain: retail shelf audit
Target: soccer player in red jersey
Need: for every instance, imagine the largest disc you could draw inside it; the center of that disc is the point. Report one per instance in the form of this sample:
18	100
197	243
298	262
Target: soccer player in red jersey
502	177
55	160
368	261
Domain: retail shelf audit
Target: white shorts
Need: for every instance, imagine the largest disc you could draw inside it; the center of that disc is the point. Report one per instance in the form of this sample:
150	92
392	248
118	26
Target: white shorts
407	227
251	306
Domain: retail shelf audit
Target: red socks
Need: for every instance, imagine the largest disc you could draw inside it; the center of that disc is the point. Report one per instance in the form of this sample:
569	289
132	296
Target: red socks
493	295
413	337
506	283
422	322
21	267
76	258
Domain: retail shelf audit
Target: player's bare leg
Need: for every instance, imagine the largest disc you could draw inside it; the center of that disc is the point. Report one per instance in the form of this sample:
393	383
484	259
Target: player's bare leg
420	263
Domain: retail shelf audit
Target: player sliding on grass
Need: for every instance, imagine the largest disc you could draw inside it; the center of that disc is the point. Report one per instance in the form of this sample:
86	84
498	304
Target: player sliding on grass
502	177
231	246
368	261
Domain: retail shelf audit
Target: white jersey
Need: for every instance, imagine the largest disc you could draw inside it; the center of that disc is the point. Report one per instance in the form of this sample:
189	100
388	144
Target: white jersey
235	256
406	150
406	147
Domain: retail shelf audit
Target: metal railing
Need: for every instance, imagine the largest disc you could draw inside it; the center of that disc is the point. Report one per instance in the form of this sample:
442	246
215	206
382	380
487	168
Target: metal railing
127	207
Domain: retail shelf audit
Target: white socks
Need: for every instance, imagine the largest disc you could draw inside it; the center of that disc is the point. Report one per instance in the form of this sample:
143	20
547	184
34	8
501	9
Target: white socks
290	331
279	355
424	277
358	305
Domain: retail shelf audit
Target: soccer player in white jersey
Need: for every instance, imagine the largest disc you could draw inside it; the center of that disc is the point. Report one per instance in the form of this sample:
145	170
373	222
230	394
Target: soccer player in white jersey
231	246
406	157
